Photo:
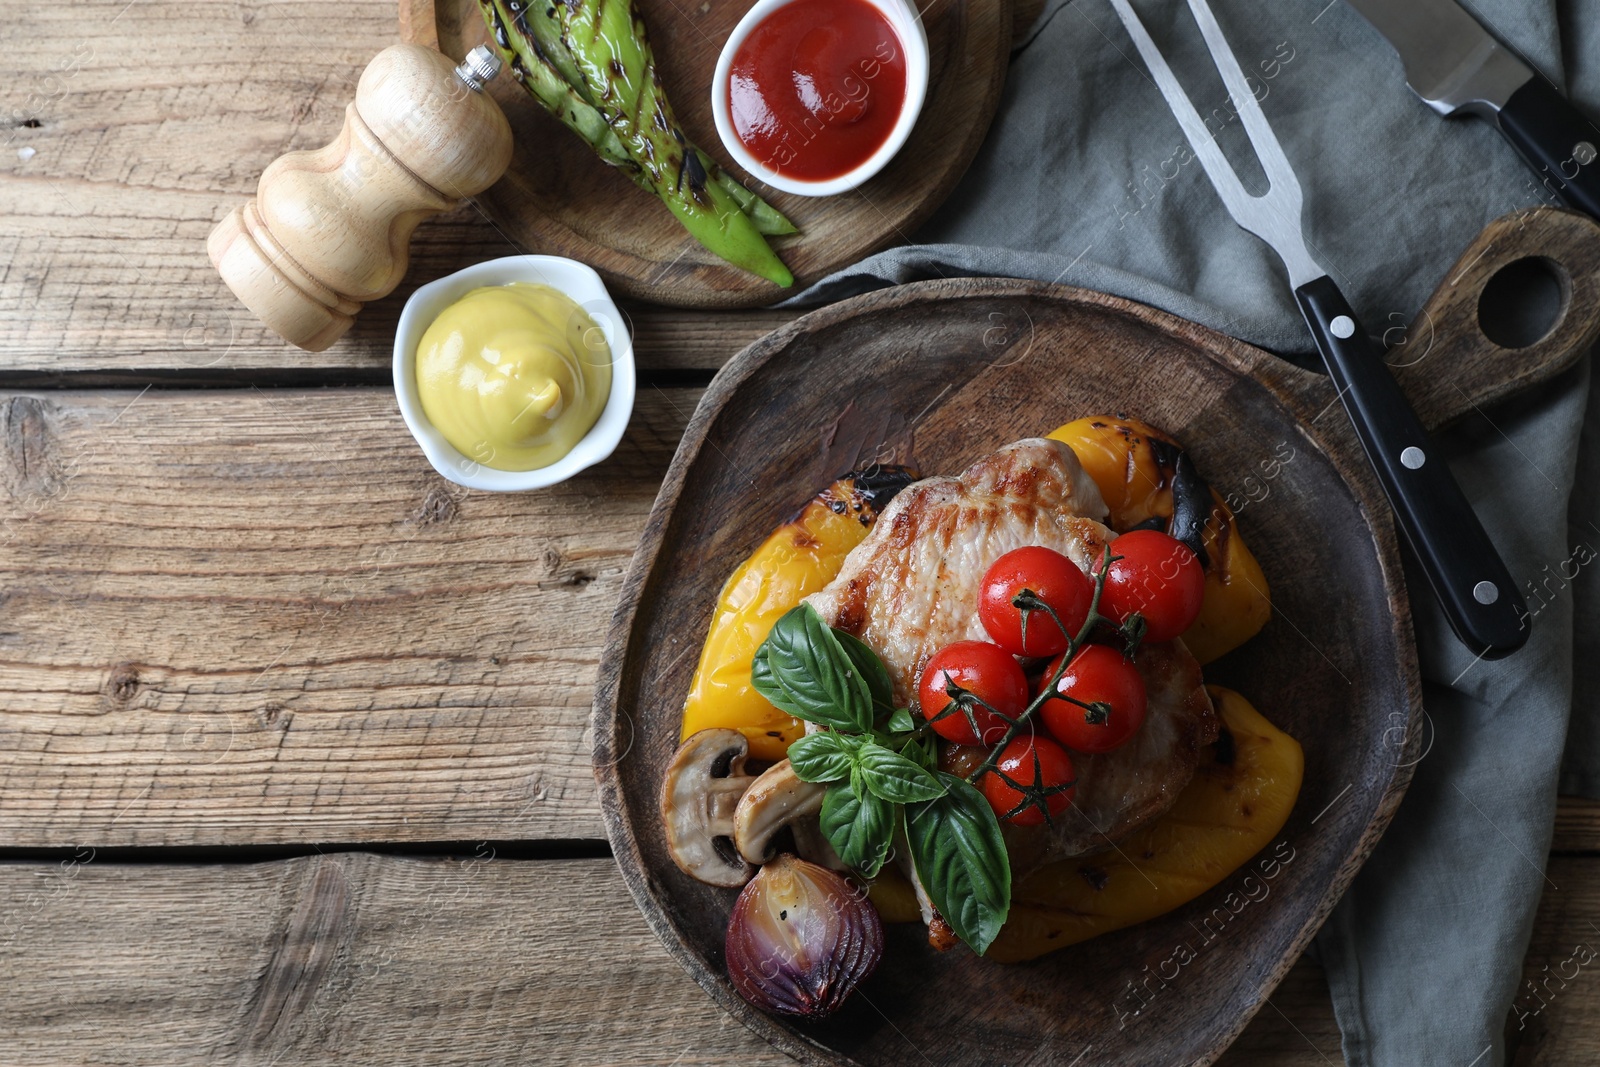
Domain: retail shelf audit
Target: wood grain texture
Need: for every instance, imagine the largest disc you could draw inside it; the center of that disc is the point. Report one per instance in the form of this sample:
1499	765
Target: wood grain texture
475	960
1447	363
362	959
1577	827
559	198
350	958
103	226
146	122
257	616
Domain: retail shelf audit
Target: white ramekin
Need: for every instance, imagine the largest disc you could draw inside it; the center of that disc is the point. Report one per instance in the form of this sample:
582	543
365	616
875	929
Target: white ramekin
907	25
586	289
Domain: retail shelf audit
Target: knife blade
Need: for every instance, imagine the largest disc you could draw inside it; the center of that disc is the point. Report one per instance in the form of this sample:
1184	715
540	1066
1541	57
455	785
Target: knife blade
1457	67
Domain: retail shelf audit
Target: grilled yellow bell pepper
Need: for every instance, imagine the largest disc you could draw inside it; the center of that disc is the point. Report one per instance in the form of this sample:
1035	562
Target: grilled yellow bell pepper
1237	802
800	557
892	894
1145	477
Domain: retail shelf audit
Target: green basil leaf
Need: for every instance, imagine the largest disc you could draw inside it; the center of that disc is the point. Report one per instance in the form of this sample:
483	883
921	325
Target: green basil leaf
804	670
859	826
761	677
895	778
922	750
901	721
870	667
821	757
961	860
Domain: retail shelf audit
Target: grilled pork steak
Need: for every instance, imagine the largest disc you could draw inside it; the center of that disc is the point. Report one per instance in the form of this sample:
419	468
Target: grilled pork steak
911	588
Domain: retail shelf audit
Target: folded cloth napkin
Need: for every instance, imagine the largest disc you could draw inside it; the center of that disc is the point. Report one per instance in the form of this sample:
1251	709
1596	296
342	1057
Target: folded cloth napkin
1081	181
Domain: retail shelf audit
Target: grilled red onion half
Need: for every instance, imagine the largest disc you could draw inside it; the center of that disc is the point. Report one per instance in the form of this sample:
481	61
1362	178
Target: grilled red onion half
801	939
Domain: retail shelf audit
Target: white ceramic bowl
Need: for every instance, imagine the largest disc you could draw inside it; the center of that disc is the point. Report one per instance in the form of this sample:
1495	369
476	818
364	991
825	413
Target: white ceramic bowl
907	25
574	279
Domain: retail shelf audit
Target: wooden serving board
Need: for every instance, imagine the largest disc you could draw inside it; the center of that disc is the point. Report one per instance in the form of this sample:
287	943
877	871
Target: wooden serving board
558	198
939	374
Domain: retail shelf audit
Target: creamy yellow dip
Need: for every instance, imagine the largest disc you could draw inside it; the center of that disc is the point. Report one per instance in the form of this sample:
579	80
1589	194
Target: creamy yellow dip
513	375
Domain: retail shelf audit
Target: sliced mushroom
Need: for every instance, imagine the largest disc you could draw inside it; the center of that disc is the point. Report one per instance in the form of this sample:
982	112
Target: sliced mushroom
773	801
699	798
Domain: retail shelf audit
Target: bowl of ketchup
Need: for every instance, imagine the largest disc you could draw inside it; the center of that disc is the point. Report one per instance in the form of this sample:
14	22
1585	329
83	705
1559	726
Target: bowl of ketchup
816	96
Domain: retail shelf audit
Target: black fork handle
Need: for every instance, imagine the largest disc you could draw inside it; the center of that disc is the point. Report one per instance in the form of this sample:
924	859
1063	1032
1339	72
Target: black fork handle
1467	574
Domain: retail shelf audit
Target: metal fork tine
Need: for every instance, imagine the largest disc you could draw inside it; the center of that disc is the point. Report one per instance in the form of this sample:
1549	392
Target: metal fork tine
1280	175
1275	216
1204	146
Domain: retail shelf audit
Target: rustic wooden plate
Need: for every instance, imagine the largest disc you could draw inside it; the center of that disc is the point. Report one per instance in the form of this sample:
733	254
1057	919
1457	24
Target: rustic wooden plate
940	373
558	198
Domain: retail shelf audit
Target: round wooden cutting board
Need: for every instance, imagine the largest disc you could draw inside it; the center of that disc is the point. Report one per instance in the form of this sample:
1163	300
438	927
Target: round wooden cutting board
939	374
558	198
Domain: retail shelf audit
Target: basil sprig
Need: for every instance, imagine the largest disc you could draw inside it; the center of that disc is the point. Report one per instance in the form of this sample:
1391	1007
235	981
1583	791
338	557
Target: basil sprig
823	757
859	826
880	764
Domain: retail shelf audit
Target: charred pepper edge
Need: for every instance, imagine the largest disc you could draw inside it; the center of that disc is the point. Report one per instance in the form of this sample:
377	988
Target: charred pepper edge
614	33
537	66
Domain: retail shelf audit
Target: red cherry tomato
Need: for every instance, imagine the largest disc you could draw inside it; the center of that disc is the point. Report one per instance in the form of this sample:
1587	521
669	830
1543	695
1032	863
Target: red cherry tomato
989	673
1040	766
1102	677
1160	578
1052	577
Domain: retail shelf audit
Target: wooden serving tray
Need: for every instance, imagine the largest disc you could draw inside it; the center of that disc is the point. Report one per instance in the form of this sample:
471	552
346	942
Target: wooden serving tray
558	198
939	374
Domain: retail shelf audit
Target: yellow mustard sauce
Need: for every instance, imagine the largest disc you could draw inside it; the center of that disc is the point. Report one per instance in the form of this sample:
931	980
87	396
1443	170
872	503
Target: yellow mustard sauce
513	375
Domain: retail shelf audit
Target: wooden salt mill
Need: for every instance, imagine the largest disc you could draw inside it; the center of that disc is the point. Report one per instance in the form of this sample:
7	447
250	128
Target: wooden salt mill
329	230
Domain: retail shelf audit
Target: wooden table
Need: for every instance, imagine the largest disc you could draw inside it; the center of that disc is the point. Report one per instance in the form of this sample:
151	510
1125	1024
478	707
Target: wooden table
293	751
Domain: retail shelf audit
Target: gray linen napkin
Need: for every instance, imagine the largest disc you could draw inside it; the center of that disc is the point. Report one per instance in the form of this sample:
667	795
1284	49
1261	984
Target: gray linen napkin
1077	182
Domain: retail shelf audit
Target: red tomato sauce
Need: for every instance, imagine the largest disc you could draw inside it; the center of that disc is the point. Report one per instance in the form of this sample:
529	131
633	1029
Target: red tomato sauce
817	86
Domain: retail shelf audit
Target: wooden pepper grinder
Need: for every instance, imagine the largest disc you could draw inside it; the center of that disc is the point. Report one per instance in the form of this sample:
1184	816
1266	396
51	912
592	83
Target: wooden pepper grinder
329	230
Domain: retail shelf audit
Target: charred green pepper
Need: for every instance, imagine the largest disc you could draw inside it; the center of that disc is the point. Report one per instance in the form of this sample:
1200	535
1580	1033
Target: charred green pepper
588	62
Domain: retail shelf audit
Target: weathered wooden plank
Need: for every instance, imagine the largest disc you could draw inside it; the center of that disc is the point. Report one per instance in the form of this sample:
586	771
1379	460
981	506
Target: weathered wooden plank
350	957
368	959
113	172
259	616
678	339
1577	825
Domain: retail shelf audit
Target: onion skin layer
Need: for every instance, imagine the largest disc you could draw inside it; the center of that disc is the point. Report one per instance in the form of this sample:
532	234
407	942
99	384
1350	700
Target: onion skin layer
801	939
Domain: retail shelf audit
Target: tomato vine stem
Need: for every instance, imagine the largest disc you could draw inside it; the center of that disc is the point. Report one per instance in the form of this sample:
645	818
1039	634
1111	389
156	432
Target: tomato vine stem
1074	644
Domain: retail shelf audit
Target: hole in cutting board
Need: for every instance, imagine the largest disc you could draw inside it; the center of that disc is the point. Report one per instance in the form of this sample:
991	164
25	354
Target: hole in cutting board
1524	301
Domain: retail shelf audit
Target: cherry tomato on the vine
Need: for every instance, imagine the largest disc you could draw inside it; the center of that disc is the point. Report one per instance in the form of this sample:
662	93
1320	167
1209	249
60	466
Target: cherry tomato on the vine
1159	577
1050	576
990	674
1104	679
1044	772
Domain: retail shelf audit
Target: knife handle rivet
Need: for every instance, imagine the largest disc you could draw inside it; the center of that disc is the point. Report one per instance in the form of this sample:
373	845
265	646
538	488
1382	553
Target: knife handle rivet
1583	153
1485	592
1343	326
1412	458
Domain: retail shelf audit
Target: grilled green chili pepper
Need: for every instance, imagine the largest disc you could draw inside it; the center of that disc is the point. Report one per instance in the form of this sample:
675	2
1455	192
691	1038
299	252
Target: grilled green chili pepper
588	62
